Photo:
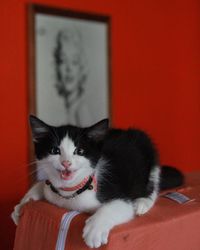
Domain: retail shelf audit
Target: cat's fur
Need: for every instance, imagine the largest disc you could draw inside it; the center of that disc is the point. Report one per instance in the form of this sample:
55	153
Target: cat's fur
124	162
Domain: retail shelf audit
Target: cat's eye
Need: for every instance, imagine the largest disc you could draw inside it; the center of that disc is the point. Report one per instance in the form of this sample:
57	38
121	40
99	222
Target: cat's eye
55	151
78	151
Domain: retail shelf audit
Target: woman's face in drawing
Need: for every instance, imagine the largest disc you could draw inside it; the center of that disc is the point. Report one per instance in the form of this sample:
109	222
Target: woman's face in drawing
70	67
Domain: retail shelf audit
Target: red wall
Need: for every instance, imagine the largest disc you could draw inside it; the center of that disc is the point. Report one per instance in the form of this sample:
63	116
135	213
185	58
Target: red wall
155	74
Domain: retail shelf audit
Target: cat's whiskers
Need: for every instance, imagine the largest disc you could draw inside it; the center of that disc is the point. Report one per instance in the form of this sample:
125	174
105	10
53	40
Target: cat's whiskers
33	174
21	176
30	174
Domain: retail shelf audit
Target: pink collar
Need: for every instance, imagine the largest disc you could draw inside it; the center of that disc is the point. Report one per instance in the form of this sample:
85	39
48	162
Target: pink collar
82	184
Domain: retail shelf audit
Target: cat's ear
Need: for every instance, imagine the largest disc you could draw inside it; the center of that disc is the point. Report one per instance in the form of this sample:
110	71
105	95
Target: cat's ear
39	128
98	130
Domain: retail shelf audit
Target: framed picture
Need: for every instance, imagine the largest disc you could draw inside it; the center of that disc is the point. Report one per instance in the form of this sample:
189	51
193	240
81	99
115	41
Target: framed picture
69	58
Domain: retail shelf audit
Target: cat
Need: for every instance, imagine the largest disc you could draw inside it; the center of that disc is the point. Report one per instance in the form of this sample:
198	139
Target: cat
113	174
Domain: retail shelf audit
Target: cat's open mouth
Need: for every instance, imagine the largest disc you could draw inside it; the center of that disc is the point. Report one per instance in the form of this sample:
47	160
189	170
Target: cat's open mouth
67	174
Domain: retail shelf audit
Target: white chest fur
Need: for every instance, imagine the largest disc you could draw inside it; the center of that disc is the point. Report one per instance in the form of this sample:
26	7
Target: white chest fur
84	202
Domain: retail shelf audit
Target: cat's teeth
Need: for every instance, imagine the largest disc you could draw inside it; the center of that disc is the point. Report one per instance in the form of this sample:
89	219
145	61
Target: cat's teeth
66	175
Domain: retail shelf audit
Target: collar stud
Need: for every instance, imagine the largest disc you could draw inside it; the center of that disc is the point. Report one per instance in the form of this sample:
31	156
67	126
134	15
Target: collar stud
90	187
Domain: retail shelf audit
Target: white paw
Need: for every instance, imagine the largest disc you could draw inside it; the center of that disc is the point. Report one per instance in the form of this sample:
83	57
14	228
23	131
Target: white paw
17	210
143	205
16	214
96	231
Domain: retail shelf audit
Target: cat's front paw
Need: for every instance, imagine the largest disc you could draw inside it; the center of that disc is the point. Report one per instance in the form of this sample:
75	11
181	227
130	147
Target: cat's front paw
96	231
16	214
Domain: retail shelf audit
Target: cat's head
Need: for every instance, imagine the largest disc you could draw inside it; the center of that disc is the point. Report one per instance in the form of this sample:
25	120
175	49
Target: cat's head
67	154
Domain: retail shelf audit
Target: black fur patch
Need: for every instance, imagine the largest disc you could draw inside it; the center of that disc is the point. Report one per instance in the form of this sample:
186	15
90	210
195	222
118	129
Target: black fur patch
131	156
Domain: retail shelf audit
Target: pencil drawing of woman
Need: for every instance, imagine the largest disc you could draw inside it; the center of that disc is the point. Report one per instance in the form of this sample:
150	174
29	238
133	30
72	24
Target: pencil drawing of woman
71	74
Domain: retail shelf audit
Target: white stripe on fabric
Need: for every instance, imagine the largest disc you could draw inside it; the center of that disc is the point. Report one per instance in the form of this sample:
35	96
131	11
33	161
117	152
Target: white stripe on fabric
64	227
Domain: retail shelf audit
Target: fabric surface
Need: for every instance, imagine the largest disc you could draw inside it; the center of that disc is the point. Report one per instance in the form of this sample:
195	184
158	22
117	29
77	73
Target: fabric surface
167	226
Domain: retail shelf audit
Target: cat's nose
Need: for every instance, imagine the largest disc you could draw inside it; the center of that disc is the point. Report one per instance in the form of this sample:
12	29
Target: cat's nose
66	164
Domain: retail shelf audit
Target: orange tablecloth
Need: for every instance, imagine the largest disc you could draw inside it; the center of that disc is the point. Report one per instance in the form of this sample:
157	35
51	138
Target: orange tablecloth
168	226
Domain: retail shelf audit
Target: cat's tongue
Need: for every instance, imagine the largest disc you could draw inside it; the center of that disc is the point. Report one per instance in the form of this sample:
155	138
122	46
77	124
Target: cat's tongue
66	175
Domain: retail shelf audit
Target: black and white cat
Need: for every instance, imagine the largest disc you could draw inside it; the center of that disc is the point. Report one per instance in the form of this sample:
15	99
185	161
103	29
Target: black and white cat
112	173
